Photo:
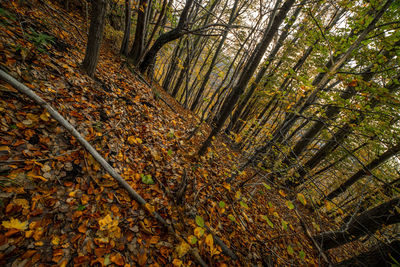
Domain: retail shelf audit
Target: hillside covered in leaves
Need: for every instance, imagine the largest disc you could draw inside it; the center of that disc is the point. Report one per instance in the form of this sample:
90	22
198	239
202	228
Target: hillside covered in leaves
60	207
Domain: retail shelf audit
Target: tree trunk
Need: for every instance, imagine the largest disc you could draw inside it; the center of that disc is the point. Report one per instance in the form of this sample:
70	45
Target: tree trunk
165	38
127	30
158	23
319	82
95	36
364	171
178	50
138	43
206	77
247	73
338	137
367	222
263	70
332	111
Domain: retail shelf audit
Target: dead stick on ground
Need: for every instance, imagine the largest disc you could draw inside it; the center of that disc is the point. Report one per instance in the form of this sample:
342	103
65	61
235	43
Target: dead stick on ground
57	116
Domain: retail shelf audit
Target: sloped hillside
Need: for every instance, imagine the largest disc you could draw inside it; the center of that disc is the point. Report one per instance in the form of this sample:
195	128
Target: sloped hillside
60	207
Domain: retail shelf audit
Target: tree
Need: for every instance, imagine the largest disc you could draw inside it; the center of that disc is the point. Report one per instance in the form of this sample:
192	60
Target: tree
167	37
206	77
247	73
331	111
365	223
320	81
96	30
341	134
140	33
364	171
127	29
262	71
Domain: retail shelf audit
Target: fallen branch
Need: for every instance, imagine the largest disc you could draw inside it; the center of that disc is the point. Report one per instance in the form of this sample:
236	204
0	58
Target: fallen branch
57	116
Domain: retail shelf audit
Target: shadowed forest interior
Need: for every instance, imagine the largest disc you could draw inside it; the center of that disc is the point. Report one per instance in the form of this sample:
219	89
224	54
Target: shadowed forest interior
199	133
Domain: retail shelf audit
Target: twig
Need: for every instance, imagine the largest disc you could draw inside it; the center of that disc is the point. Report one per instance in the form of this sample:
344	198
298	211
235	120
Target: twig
38	160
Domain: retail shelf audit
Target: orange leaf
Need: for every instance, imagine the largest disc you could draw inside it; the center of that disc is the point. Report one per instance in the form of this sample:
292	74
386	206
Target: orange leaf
117	259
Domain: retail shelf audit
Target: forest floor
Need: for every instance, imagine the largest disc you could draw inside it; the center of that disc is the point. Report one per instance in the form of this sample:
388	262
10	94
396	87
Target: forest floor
59	207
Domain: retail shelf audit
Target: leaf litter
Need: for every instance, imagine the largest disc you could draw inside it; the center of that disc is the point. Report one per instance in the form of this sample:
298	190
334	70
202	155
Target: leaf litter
59	207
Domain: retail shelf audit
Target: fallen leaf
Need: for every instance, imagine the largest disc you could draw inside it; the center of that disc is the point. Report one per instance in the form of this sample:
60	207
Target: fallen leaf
15	224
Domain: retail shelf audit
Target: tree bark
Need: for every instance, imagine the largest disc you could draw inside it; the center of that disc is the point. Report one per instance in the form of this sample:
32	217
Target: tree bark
367	222
127	31
96	31
140	33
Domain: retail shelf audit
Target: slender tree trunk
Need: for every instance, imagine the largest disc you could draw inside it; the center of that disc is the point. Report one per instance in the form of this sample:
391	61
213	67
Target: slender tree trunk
165	38
319	82
95	36
364	171
367	222
158	23
138	42
206	77
264	69
178	50
196	54
332	111
338	137
127	30
247	73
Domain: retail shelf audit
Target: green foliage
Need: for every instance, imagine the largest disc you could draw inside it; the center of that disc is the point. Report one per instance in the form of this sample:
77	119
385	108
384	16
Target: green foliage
146	179
199	221
40	40
265	218
81	207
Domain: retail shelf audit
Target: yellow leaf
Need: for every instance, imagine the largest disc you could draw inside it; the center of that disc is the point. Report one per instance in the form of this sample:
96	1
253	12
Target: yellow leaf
238	195
210	240
55	241
131	140
328	205
301	198
15	224
105	222
117	259
149	207
199	232
282	193
177	262
227	186
182	249
45	116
